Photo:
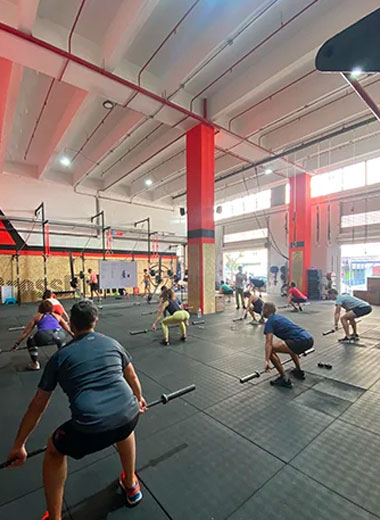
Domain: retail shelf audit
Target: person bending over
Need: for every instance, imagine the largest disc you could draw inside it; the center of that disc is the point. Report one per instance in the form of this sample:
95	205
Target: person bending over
51	329
58	308
295	297
104	393
290	339
226	290
178	316
255	306
354	307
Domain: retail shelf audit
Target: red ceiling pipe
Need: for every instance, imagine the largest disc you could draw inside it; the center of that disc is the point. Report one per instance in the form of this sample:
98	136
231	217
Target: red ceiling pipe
173	31
143	162
122	81
270	96
53	81
299	13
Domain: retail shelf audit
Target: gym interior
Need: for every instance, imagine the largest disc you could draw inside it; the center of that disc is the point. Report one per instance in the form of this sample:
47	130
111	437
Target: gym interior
200	182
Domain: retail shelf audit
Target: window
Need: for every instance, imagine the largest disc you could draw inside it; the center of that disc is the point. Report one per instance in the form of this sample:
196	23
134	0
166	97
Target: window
287	193
246	235
353	176
330	182
361	219
243	205
373	171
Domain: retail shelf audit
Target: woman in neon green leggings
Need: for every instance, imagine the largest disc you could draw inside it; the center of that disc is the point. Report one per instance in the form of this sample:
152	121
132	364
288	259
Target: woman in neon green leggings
177	316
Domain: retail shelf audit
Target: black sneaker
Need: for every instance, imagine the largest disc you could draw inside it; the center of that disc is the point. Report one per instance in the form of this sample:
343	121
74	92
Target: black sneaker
298	374
183	338
238	307
280	381
294	310
165	343
300	309
346	339
355	337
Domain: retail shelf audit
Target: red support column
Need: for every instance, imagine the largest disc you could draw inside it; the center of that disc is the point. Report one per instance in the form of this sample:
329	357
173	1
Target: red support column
200	163
299	230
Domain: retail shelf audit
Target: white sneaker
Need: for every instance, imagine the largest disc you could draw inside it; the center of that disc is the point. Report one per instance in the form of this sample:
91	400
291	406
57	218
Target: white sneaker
34	366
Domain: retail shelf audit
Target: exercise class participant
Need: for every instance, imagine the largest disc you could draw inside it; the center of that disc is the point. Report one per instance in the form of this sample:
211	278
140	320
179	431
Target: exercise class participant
255	306
51	329
295	297
94	285
105	401
226	290
58	308
240	279
146	281
178	316
354	307
293	340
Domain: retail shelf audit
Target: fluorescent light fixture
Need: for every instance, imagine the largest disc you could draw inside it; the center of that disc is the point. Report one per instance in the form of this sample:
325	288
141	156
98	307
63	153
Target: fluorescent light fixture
356	72
65	161
148	182
268	171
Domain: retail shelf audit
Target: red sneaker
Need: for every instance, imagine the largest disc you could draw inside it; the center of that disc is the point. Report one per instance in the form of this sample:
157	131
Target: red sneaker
46	516
133	494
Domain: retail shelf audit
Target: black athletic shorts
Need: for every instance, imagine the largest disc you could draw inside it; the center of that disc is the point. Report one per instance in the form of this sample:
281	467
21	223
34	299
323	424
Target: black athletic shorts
257	306
76	444
299	300
94	286
299	347
362	311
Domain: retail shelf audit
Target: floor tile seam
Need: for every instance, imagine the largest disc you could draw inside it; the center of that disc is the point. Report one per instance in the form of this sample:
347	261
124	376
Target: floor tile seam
346	421
163	509
320	433
67	508
332	490
244	437
183	354
255	492
20	496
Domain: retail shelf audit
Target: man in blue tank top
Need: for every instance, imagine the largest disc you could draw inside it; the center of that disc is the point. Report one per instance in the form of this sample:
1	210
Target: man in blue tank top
292	340
104	393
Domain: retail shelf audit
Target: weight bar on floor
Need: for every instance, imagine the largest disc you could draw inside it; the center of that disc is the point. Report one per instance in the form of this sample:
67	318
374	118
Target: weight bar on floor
145	331
13	329
148	313
332	331
257	374
164	399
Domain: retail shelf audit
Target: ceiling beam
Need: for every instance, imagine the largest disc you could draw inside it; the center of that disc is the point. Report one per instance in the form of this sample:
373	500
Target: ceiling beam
10	81
128	21
27	13
107	139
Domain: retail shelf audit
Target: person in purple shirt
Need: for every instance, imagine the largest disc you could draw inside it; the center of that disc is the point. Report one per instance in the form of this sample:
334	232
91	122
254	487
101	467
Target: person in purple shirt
51	330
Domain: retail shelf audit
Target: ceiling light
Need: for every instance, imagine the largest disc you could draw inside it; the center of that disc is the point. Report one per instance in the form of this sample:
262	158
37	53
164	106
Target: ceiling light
148	182
65	161
268	171
108	104
356	72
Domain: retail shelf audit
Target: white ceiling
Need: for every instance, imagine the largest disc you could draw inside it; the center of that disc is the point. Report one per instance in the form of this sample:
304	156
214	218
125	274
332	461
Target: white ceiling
252	60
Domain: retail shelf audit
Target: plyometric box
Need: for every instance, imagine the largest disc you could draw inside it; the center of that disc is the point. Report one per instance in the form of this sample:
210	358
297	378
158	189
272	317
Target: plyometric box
117	274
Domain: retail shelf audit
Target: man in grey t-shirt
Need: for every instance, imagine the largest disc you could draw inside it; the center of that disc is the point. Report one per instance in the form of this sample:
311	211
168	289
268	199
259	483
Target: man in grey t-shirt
105	399
240	279
354	307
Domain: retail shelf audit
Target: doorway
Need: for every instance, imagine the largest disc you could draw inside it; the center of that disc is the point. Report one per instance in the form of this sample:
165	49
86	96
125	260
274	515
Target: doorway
358	262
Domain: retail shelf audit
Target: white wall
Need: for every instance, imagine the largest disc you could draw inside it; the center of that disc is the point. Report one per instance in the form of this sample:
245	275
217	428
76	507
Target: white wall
19	196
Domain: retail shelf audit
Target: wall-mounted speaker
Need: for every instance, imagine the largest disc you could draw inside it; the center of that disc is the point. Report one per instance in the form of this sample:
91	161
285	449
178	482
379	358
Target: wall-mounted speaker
182	212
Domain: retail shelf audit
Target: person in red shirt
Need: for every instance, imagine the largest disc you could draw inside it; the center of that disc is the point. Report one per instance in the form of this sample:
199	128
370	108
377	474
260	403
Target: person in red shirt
295	297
